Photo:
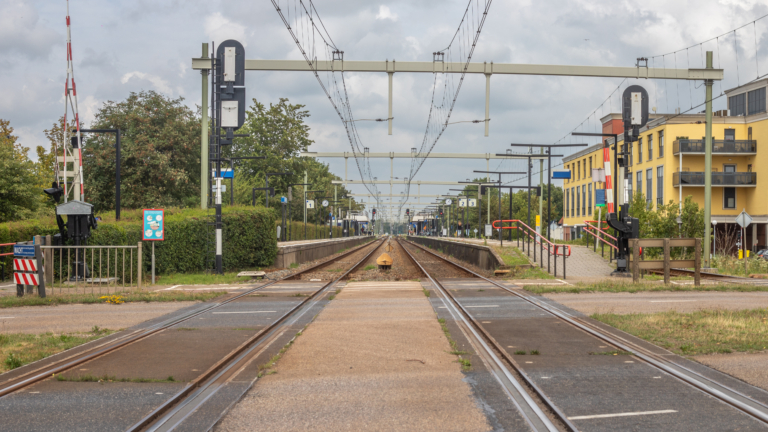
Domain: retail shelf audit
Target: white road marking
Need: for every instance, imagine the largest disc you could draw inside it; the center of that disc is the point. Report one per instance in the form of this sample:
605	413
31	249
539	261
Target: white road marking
7	286
656	377
167	289
627	414
629	361
245	312
34	392
670	301
482	306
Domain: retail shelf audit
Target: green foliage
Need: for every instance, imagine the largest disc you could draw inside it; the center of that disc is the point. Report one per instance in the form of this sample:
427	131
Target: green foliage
296	231
19	196
279	133
249	237
160	145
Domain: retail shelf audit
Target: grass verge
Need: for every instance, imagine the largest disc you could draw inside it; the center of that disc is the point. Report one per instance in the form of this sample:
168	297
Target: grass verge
201	278
701	332
628	287
18	349
512	256
126	297
268	368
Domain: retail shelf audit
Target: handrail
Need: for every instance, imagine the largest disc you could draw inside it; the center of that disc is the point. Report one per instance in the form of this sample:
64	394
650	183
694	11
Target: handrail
7	244
535	235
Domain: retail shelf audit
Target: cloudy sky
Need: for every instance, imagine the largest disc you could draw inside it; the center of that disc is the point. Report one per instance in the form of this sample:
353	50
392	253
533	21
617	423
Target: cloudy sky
123	46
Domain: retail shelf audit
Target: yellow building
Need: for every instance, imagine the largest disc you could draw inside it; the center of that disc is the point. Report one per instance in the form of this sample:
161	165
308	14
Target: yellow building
670	153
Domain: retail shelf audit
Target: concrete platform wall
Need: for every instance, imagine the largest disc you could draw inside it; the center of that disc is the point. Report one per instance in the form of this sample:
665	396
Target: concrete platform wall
479	255
314	250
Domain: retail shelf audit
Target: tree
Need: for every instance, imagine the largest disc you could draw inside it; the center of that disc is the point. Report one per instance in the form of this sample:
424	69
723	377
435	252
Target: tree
278	133
160	146
19	194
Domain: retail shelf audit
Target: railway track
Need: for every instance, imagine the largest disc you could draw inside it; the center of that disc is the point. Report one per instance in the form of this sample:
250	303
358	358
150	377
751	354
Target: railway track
736	399
186	402
713	276
68	363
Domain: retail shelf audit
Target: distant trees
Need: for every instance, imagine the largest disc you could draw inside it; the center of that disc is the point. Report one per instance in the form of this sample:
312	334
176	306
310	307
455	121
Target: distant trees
20	197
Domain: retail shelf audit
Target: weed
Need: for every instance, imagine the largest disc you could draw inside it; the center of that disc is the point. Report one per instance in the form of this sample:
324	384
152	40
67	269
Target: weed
426	292
332	296
187	329
113	299
112	378
629	287
12	362
369	267
457	352
520	352
465	364
614	352
481	290
299	295
534	352
294	265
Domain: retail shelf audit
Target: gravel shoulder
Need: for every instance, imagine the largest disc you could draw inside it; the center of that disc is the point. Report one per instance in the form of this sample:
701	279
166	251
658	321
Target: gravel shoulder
626	303
749	367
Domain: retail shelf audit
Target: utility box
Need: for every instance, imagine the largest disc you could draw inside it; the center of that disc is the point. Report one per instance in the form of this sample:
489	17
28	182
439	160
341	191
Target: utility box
229	114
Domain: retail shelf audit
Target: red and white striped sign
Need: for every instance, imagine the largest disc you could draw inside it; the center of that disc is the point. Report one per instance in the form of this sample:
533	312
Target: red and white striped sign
24	265
26	278
608	178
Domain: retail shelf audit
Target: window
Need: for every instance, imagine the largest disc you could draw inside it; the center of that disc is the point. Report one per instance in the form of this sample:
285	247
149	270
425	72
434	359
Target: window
589	191
729	198
578	201
730	134
729	168
640	150
650	146
660	185
583	200
568	168
629	187
737	105
590	165
756	101
567	201
578	168
573	212
639	175
630	155
649	186
661	143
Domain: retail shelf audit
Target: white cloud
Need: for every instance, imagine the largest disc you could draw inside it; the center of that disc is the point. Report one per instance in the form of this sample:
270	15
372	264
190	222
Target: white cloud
385	13
218	28
22	32
160	84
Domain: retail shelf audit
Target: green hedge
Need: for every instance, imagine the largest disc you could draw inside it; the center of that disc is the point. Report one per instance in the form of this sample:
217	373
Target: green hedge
249	237
297	231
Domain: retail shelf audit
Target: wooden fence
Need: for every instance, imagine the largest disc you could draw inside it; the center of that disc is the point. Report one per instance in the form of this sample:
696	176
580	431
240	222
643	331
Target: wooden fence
636	264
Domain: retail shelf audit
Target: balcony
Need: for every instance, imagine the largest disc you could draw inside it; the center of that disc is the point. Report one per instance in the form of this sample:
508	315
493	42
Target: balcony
719	179
719	147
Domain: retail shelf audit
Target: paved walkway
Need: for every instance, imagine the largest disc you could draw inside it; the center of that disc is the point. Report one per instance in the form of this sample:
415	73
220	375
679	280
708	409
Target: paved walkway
375	359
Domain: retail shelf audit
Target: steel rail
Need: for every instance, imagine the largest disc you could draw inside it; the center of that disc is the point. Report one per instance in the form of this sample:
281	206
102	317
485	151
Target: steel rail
642	353
471	324
64	364
189	399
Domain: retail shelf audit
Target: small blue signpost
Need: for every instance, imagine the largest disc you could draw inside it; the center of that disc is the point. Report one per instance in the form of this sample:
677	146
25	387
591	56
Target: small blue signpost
154	230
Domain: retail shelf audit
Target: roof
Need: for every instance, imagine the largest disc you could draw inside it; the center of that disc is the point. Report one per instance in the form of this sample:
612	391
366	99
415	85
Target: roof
584	152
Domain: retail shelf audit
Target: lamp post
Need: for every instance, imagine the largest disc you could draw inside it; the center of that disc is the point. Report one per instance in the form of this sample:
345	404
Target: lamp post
679	227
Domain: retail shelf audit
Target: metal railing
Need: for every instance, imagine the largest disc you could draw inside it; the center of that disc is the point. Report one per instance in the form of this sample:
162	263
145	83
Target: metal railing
718	146
601	236
92	269
718	178
530	235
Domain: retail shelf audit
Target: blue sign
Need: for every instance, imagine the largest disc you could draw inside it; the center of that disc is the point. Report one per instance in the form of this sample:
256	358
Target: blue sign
154	224
561	174
284	200
24	250
599	197
226	173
